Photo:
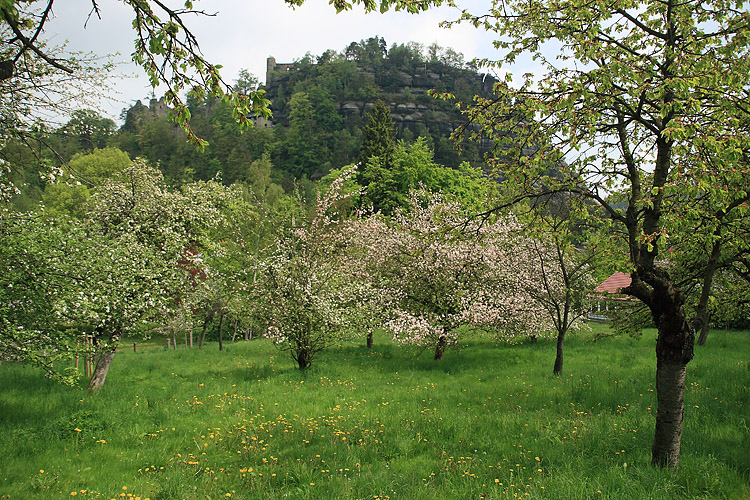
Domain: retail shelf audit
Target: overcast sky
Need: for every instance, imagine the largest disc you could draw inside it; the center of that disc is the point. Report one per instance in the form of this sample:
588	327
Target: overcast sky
245	32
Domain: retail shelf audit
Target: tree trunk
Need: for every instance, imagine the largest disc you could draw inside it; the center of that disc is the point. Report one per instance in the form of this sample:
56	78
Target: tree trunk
705	328
303	359
369	340
703	317
174	338
557	370
203	332
221	320
674	349
440	348
102	367
670	389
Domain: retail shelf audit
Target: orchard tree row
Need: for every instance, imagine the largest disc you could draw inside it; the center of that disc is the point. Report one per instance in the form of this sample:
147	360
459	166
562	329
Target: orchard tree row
132	257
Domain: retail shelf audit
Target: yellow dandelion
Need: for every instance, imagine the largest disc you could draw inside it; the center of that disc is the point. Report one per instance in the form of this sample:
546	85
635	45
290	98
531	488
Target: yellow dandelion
41	471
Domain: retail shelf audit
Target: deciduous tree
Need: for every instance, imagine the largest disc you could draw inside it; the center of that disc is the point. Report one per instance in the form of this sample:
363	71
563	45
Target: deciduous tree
312	300
644	99
439	271
130	276
35	275
564	253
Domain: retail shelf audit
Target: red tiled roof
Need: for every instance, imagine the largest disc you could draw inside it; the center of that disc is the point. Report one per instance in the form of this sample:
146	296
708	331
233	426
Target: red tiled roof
614	284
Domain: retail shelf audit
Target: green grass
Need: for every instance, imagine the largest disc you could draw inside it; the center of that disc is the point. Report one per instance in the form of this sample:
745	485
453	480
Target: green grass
488	422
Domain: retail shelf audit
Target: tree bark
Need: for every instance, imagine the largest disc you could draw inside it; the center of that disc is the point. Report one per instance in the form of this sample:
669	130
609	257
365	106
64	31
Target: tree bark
557	370
674	350
303	359
670	390
705	328
369	340
440	348
102	367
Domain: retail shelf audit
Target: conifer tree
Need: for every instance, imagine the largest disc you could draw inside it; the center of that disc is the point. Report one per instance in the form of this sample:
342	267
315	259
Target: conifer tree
376	153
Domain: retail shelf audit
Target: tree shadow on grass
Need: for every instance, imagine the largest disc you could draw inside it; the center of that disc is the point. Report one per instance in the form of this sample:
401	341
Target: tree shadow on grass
28	400
389	357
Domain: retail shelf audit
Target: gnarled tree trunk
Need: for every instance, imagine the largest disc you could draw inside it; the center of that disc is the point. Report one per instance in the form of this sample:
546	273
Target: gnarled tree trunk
102	368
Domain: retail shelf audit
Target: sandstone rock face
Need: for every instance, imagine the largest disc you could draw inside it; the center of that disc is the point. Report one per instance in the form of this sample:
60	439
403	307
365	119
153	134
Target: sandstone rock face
406	94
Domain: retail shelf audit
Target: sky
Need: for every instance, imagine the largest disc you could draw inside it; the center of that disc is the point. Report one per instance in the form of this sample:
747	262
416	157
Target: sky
243	33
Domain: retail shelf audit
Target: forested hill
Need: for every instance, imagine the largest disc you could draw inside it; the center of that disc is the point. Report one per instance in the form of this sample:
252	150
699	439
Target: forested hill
350	82
319	106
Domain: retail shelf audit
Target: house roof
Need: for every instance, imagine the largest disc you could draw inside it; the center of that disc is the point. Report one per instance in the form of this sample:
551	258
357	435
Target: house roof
614	284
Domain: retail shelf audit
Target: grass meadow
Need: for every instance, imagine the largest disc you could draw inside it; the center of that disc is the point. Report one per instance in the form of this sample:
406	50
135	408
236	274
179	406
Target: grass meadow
488	422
